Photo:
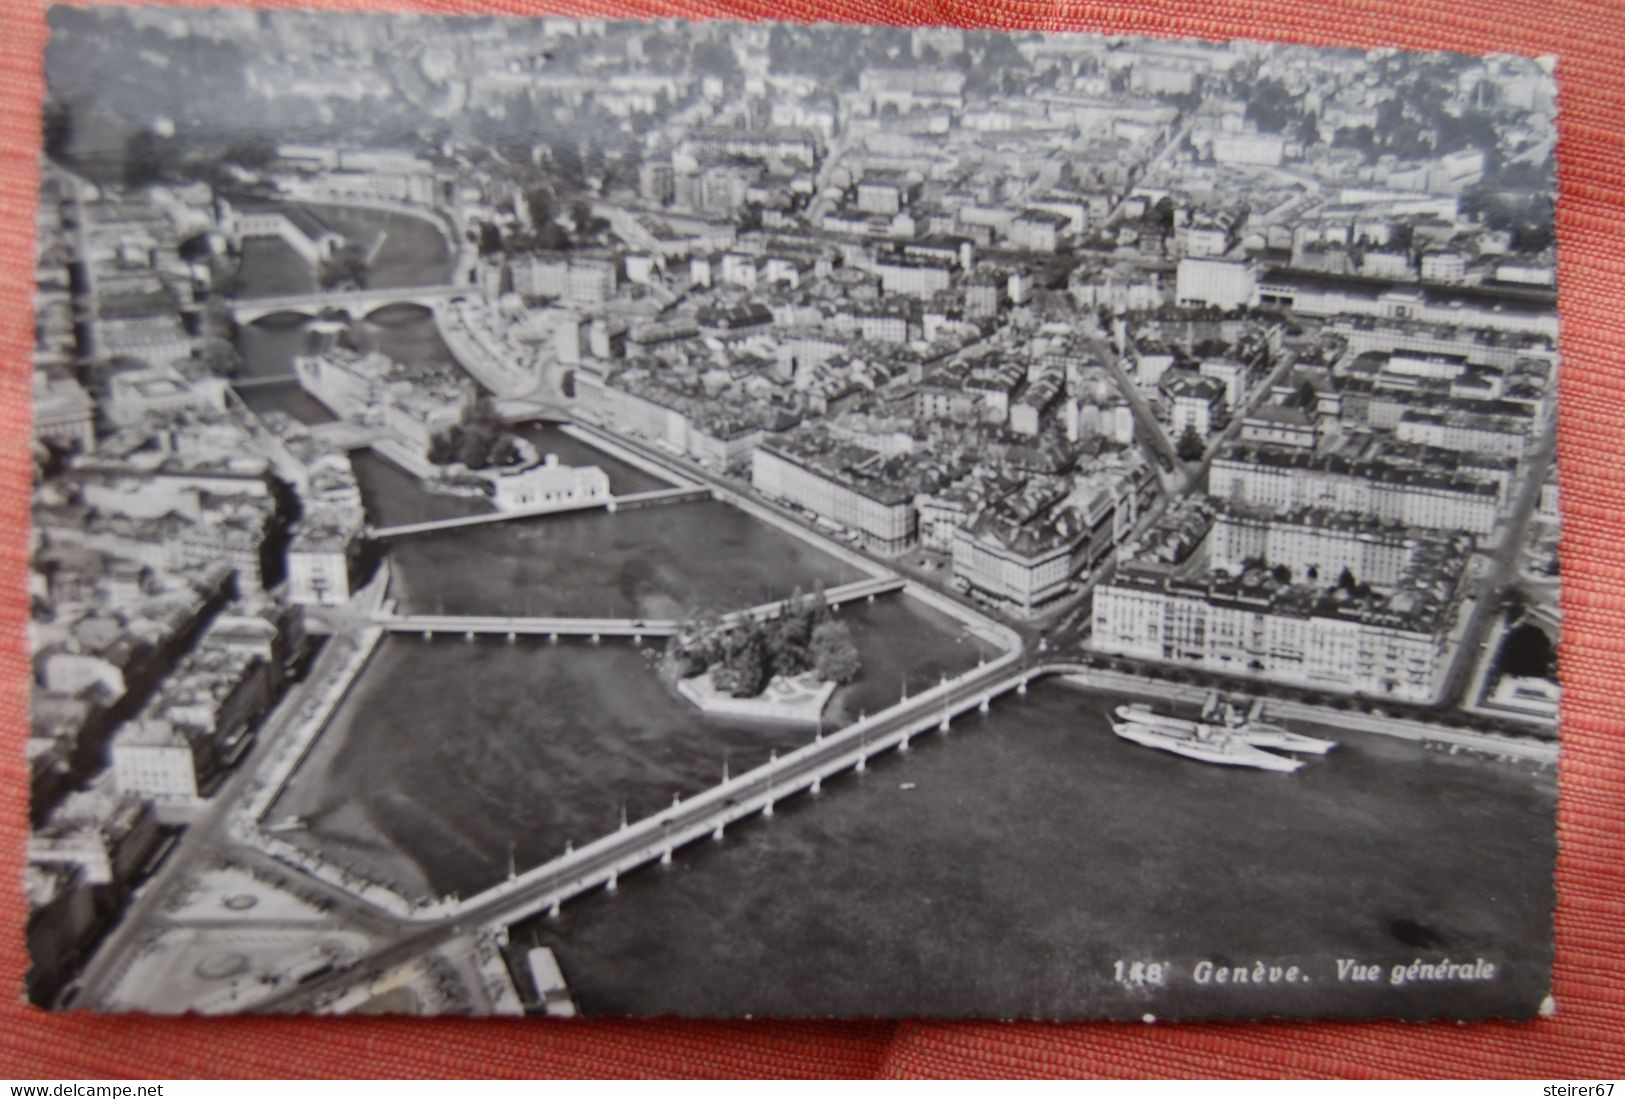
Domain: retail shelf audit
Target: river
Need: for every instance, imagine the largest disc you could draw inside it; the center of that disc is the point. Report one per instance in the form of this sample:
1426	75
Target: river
411	252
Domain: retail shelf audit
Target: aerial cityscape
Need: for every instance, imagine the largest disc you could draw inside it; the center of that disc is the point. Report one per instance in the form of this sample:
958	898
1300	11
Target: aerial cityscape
551	516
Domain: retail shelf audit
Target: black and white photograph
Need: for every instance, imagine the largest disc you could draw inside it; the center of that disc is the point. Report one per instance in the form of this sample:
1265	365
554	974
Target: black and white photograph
553	517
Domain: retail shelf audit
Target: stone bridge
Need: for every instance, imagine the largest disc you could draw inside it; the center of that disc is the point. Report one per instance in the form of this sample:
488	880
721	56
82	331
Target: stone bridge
357	303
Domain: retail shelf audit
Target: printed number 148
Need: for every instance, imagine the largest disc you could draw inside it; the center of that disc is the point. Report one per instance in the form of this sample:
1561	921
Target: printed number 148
1139	973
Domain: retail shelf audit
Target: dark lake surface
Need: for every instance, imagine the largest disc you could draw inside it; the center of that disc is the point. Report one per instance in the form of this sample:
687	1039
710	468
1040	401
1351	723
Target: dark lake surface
1002	869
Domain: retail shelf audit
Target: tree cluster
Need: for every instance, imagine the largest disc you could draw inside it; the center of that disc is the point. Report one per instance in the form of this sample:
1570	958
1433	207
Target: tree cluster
1273	108
1529	652
746	656
479	440
347	267
1190	447
1349	584
219	357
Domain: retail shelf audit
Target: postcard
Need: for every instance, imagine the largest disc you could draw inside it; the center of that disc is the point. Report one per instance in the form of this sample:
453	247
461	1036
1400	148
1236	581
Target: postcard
551	516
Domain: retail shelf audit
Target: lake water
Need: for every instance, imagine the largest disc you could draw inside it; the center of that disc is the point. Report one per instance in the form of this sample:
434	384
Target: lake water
1001	870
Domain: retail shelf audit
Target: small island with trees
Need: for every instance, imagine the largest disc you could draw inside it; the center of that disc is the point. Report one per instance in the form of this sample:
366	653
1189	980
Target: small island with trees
463	458
784	667
479	440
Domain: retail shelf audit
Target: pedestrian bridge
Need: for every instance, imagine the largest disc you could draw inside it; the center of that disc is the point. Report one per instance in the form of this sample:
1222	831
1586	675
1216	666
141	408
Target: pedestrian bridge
555	627
357	303
676	495
471	626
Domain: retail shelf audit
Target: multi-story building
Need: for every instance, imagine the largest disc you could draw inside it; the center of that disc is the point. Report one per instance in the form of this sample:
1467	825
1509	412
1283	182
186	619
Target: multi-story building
1413	495
63	412
718	433
1280	425
1197	404
943	513
1021	565
1456	429
1249	149
108	836
1255	624
549	484
570	278
915	277
942	396
861	490
1524	310
199	722
1027	541
884	192
61	923
1204	238
158	762
993	383
1312	543
321	559
135	396
657	182
1221	283
1442	265
1037	230
1032	409
906	89
786	144
1231	374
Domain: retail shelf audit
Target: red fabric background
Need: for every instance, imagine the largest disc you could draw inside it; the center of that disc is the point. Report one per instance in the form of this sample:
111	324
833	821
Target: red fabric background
1588	1034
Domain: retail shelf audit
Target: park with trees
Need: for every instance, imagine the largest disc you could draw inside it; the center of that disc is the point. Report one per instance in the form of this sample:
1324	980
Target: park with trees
743	657
479	439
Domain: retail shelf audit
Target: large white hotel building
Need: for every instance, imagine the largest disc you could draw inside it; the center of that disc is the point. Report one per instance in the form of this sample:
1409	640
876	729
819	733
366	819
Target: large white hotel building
1390	646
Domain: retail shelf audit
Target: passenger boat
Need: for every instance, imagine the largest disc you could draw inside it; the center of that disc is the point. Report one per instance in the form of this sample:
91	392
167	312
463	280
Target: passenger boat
1196	740
1261	734
1206	743
1244	721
